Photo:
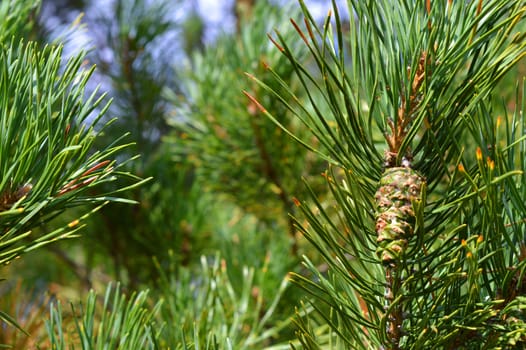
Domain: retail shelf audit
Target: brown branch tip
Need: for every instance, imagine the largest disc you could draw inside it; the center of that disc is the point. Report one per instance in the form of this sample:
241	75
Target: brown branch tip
406	109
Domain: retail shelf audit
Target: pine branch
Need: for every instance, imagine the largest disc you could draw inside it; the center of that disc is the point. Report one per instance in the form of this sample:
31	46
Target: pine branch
46	156
416	78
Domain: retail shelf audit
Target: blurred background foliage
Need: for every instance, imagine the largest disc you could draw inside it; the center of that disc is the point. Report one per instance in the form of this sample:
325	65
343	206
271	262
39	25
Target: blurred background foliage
212	235
236	153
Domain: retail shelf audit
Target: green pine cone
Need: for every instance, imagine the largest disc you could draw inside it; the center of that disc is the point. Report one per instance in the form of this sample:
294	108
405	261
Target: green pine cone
395	217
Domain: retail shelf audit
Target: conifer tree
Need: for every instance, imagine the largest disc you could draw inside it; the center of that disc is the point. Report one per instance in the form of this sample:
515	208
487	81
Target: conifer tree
424	236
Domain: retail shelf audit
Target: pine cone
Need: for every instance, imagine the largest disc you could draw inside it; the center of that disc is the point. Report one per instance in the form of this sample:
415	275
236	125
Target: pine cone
395	218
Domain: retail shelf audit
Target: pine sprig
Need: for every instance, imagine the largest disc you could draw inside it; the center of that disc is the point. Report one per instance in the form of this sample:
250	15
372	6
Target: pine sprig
47	162
121	322
409	86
